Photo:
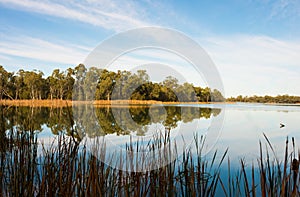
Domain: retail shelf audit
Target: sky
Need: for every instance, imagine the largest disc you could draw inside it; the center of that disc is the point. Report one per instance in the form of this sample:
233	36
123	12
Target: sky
254	44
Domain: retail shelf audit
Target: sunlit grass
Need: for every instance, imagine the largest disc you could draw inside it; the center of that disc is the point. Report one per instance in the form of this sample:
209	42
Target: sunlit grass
96	103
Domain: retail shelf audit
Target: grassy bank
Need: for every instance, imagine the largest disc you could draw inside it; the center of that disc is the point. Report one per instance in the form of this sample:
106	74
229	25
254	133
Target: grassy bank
64	103
66	168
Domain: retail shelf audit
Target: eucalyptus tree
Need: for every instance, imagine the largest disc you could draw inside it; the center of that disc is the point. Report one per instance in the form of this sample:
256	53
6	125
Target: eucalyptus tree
169	86
61	84
101	84
217	96
52	85
92	78
69	73
156	92
106	84
133	83
205	95
6	82
19	84
186	92
78	88
34	82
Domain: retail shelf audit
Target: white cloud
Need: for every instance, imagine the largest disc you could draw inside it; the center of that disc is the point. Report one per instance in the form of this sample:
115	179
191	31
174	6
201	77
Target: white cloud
114	15
4	57
256	64
38	49
159	64
248	64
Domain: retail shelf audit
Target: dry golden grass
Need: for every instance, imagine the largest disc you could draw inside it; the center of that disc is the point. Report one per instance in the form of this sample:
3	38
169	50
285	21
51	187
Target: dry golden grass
37	103
64	103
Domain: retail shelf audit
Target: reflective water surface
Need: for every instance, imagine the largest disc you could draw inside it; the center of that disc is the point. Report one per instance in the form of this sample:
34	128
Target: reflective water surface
241	130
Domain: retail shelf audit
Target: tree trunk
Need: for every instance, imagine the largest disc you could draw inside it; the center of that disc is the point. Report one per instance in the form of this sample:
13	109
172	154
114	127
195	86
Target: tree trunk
61	94
16	97
32	94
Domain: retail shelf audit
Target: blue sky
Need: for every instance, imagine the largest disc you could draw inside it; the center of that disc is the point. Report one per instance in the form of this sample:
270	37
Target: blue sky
254	44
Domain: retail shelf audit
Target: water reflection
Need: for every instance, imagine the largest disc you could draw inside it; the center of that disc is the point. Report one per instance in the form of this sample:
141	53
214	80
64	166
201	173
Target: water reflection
100	121
241	130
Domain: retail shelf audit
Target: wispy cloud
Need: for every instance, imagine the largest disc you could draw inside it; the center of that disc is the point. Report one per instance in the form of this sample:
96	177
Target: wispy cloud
285	9
159	64
256	64
35	48
113	15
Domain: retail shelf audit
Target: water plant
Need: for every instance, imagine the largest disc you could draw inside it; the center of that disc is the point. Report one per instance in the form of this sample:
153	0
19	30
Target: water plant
67	168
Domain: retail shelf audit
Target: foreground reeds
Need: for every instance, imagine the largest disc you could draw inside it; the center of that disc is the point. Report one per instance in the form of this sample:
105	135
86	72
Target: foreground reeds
270	177
66	168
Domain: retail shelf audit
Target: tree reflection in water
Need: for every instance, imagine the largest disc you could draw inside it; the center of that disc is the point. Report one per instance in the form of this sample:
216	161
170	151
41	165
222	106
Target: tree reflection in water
108	120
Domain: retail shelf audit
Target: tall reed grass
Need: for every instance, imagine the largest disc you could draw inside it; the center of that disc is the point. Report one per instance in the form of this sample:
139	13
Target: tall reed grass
67	168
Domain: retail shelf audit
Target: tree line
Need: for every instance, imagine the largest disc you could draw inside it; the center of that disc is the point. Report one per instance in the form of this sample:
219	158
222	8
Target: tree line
98	84
265	99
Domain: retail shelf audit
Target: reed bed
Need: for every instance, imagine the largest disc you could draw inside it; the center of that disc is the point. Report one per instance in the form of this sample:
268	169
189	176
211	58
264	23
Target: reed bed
37	103
67	168
66	103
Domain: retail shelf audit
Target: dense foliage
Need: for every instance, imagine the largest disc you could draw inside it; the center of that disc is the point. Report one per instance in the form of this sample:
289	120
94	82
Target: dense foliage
266	99
98	84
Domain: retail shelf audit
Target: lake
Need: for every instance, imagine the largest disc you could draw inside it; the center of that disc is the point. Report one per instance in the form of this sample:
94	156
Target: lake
238	127
146	145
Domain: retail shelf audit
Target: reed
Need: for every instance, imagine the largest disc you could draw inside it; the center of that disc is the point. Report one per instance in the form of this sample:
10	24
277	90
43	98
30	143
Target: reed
97	103
67	168
276	178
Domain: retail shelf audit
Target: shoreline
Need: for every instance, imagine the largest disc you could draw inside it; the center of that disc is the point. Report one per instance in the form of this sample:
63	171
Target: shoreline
65	103
99	103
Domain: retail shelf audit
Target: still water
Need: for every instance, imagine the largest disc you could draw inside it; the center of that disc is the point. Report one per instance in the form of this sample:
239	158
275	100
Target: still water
238	127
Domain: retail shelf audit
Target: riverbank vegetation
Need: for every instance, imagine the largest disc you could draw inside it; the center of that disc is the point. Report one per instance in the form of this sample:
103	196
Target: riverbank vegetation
99	84
103	85
266	99
96	103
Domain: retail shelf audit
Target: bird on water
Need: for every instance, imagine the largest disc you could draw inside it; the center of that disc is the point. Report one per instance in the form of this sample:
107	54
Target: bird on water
282	125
